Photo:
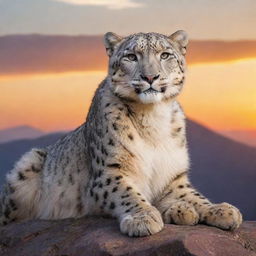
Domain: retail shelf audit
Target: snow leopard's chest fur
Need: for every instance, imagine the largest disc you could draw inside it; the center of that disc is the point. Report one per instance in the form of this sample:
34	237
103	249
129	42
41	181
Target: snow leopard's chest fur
160	153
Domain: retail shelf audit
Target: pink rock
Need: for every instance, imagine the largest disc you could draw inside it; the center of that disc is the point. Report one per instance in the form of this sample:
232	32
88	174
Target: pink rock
101	237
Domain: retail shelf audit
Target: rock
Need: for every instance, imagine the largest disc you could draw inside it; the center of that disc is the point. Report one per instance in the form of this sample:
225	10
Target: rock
101	237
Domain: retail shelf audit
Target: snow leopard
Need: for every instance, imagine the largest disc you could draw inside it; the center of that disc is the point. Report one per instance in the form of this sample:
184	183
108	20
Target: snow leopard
129	159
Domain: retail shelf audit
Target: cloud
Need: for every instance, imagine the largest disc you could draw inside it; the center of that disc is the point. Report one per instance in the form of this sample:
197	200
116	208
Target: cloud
111	4
27	54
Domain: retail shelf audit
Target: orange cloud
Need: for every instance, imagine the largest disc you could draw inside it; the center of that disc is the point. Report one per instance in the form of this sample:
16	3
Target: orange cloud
220	51
35	54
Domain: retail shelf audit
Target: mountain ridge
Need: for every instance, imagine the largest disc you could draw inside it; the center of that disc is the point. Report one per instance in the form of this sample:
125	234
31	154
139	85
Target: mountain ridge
19	132
247	137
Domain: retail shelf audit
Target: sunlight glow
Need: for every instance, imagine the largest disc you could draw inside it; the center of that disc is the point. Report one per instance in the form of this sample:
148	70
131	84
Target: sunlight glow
49	102
221	96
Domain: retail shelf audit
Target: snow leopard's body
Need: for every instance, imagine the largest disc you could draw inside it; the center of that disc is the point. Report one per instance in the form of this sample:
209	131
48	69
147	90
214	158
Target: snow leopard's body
129	159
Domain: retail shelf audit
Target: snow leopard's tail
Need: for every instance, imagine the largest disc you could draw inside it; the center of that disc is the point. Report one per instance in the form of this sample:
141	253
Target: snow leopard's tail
21	192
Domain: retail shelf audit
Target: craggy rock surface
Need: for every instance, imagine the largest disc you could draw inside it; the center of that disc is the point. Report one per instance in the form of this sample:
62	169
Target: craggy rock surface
101	237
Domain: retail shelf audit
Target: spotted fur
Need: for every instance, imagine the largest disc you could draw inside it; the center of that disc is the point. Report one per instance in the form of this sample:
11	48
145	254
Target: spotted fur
129	159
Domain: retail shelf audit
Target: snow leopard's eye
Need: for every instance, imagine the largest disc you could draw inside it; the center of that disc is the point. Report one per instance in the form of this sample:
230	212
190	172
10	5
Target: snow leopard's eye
165	55
132	57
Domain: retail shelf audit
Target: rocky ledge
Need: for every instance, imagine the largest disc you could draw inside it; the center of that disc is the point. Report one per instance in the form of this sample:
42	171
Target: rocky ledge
101	237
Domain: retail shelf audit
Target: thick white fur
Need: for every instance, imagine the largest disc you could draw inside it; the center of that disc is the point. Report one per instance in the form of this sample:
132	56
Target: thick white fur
147	98
159	158
27	192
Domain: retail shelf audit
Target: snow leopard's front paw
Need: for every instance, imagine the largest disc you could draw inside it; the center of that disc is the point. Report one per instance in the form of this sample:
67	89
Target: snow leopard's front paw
143	223
181	213
224	216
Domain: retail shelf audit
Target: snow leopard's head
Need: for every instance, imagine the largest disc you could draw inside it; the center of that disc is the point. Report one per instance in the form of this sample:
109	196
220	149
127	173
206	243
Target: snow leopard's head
146	67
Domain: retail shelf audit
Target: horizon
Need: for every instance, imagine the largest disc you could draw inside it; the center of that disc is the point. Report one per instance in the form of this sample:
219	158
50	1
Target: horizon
27	132
24	125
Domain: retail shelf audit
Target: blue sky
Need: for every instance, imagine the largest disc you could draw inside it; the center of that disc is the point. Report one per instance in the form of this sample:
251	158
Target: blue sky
203	19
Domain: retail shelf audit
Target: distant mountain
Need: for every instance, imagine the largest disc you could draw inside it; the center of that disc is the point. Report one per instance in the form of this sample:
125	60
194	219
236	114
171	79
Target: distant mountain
246	137
35	53
222	169
19	132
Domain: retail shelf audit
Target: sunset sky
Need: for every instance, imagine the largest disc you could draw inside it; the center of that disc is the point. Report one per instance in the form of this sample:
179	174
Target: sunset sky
48	82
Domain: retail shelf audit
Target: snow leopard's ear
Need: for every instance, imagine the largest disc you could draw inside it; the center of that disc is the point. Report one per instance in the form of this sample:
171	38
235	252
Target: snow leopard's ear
180	38
111	40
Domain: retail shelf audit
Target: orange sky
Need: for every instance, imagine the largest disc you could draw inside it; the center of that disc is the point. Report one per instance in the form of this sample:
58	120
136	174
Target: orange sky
220	95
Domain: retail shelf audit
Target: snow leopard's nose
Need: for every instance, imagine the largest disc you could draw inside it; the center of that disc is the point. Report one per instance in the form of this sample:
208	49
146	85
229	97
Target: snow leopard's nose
148	78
